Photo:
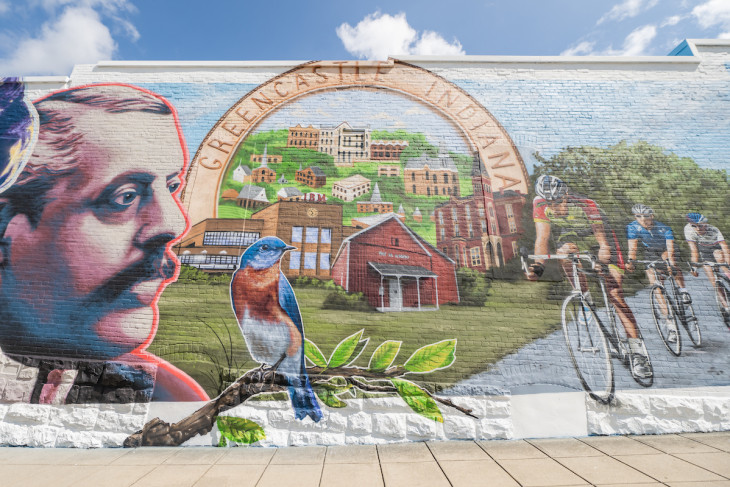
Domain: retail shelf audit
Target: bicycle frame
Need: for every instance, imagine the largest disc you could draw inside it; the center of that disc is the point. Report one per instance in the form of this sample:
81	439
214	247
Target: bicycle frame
611	335
659	277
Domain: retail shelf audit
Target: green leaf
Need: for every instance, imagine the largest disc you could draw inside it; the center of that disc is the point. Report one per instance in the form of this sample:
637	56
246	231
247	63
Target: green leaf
329	398
312	352
418	400
240	430
384	355
222	442
432	357
344	350
336	385
358	350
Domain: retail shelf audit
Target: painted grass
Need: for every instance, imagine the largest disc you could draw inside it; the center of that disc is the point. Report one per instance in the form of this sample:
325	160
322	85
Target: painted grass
516	314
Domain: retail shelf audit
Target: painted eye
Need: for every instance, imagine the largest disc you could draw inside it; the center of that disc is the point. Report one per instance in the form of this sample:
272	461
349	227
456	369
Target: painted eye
125	198
173	186
264	247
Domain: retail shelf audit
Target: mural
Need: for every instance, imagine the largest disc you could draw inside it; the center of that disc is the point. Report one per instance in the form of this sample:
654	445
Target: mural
380	208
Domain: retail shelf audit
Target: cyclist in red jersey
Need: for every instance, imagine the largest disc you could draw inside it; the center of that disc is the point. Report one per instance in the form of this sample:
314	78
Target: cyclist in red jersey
582	227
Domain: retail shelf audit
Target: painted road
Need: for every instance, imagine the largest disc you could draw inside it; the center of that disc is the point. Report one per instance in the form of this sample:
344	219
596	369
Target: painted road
545	365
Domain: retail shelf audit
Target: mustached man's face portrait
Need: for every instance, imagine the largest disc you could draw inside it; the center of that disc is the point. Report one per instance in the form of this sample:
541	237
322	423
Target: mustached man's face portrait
89	224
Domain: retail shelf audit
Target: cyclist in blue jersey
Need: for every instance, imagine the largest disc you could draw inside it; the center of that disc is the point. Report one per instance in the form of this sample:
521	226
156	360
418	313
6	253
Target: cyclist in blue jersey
657	241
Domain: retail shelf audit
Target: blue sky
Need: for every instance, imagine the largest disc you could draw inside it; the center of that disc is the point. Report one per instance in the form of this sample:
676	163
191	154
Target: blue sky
47	37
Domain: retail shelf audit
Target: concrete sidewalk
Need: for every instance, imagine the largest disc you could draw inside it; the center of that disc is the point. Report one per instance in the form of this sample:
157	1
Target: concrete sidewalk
701	459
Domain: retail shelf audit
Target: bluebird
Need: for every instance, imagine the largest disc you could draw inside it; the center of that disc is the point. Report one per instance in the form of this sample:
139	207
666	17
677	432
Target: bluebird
268	315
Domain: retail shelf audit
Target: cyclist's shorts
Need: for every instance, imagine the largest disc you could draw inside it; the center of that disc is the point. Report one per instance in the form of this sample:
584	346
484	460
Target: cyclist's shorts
707	252
656	254
590	245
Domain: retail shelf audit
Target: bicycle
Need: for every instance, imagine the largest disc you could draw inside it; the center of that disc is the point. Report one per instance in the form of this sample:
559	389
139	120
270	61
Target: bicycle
722	288
668	308
588	337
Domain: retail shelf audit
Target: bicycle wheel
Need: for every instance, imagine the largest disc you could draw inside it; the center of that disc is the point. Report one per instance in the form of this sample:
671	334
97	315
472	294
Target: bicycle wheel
588	348
666	321
723	294
616	335
692	325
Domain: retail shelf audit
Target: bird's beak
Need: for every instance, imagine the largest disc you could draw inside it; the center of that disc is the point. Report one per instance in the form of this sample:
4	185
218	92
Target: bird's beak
289	247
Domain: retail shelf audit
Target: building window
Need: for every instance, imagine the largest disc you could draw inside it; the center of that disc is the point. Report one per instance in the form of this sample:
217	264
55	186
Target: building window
471	231
457	255
446	178
456	228
230	239
434	179
428	191
296	234
453	214
414	189
310	260
394	241
441	217
294	259
443	233
312	234
324	261
476	258
515	249
468	211
491	211
326	236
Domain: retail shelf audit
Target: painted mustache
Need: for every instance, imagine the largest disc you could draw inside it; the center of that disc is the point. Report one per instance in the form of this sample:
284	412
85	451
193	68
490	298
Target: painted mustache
155	265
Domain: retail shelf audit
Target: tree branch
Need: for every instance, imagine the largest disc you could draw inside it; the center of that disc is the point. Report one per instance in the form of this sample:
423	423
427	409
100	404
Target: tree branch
256	381
159	433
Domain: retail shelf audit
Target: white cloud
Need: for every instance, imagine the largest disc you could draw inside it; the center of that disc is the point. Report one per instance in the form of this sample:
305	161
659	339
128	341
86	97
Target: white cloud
76	36
4	7
627	9
74	33
714	13
670	21
582	48
635	44
379	35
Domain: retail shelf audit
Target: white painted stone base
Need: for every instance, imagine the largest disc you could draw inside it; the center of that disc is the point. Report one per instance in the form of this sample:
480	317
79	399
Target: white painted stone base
386	420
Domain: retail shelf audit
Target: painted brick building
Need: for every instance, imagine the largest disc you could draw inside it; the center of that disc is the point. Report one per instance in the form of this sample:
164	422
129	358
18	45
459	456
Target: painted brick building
375	204
303	137
480	231
315	229
312	176
395	268
387	150
351	187
431	176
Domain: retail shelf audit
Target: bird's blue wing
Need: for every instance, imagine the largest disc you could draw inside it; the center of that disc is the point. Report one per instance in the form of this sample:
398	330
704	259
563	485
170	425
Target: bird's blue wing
288	301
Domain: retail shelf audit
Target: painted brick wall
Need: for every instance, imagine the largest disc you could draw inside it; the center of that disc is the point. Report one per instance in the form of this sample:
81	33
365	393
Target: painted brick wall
112	316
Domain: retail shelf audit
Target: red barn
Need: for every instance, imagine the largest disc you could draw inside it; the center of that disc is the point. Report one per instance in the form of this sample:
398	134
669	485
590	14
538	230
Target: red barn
395	268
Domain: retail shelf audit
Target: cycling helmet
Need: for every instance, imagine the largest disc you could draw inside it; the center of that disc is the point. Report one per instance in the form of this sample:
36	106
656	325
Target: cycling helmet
639	209
550	188
696	218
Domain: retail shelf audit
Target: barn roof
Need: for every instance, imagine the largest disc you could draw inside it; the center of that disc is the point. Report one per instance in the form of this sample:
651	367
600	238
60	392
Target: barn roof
392	216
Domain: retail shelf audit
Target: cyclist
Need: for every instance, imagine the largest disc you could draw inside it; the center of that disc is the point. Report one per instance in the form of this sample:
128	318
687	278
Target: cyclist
706	243
582	227
657	240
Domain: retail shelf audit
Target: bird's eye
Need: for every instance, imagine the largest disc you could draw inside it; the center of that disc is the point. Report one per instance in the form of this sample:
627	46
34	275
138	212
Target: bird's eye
264	247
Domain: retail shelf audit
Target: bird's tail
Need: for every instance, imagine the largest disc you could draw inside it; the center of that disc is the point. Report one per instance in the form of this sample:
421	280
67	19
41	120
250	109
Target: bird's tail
303	399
